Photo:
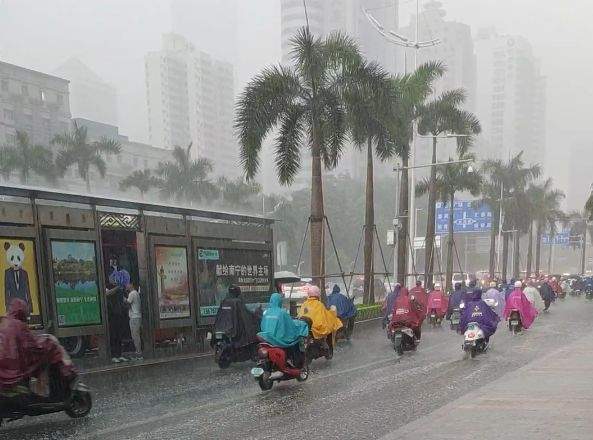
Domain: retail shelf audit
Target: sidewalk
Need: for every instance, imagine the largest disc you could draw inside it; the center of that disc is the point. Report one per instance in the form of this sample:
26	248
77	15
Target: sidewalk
549	398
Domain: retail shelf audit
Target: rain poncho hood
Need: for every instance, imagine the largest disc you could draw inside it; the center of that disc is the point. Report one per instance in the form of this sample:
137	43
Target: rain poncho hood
24	354
278	328
497	296
236	322
407	312
439	301
324	321
476	310
344	305
518	301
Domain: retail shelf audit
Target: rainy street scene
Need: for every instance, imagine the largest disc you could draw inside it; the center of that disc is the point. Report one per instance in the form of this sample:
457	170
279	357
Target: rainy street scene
271	219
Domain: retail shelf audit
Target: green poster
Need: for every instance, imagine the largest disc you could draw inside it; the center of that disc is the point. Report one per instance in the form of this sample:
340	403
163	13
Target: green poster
76	286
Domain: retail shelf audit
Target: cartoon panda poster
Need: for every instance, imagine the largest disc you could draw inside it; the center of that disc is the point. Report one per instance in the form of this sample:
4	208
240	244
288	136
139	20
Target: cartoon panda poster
18	275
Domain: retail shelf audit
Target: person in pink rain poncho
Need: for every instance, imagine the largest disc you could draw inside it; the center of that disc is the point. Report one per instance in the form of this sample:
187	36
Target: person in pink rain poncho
437	301
518	301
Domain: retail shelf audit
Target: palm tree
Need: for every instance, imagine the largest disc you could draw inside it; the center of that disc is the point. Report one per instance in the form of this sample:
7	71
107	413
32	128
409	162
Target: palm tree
451	179
238	194
412	90
578	221
186	179
509	178
546	202
369	112
443	115
142	180
25	159
77	149
304	101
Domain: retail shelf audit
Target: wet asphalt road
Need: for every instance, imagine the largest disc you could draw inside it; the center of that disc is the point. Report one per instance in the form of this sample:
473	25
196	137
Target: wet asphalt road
366	391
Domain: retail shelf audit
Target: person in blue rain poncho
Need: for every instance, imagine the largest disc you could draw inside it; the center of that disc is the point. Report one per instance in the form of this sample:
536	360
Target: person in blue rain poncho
278	328
345	307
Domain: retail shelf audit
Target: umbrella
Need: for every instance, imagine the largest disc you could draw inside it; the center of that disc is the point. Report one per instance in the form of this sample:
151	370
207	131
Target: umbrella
286	277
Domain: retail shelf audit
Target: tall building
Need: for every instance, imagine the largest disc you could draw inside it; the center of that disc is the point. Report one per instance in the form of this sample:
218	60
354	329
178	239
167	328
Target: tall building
511	96
90	97
455	50
34	102
190	99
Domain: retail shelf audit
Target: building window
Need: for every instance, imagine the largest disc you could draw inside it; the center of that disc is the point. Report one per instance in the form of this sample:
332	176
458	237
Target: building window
8	115
4	85
24	90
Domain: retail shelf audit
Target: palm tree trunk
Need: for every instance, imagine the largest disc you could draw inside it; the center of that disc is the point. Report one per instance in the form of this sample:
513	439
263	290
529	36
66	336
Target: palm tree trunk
550	255
492	261
516	259
538	246
402	236
529	251
317	218
429	238
449	276
88	183
369	225
584	249
505	255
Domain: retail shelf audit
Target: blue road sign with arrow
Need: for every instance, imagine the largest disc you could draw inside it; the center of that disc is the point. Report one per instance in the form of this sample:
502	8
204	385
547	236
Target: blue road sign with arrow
468	216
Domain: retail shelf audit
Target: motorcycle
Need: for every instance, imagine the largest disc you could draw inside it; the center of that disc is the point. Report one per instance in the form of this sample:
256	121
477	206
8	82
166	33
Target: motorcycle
589	293
272	366
74	398
402	338
455	318
225	352
515	325
434	319
474	341
347	328
317	348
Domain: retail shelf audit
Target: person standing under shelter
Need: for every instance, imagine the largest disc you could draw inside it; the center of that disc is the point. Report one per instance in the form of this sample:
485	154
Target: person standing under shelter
135	315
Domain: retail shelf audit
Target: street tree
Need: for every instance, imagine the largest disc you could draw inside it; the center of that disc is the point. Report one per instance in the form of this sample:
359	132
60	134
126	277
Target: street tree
142	180
26	159
304	103
78	150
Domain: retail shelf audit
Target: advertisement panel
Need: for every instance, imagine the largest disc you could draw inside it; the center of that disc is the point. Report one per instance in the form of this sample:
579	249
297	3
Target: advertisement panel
249	269
18	276
172	281
76	284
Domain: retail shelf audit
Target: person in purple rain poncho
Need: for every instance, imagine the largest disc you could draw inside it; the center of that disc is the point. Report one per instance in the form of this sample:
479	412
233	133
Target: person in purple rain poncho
476	310
498	297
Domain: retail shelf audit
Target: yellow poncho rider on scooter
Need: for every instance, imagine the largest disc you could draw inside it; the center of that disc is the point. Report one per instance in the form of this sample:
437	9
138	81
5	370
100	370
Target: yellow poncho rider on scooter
324	321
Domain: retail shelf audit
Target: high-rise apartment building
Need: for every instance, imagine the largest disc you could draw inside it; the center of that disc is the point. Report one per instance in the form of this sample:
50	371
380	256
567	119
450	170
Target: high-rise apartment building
33	102
90	96
190	99
511	96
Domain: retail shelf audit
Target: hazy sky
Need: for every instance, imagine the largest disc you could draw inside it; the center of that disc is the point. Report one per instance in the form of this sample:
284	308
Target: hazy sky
112	37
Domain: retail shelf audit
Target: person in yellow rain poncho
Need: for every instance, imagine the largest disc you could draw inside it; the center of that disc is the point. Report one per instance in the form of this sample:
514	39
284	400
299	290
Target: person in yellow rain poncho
324	321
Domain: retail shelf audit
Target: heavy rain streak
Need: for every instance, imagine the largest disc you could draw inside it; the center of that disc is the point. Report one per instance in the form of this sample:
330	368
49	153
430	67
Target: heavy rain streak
278	219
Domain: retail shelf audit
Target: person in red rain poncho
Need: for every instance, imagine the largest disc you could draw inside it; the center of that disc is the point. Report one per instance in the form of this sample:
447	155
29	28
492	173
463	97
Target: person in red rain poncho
419	294
437	301
24	354
408	312
518	301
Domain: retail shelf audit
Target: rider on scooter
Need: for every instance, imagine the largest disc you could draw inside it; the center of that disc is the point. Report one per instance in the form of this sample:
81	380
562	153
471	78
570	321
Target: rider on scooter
323	321
25	355
437	301
518	301
408	312
476	310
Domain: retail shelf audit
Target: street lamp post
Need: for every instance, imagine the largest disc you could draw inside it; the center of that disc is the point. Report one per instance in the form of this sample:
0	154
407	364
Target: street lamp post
401	41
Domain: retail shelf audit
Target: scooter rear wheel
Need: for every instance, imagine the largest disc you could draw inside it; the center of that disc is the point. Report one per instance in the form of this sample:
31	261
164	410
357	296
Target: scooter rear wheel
304	375
79	405
265	382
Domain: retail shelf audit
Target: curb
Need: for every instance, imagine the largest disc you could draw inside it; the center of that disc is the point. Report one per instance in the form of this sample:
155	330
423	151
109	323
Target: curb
106	369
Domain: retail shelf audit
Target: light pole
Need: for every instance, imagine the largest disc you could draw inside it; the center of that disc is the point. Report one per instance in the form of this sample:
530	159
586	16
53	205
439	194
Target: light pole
399	40
412	221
